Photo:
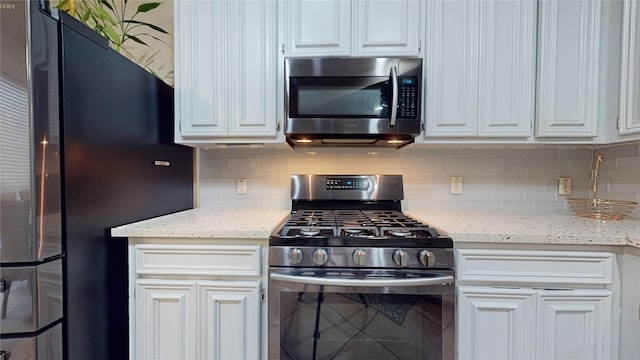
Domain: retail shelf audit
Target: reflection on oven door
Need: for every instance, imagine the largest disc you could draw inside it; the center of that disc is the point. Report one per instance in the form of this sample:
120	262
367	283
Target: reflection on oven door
360	326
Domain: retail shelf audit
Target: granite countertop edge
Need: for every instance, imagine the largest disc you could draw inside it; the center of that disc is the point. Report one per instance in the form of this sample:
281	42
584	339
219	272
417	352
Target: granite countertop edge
559	227
203	223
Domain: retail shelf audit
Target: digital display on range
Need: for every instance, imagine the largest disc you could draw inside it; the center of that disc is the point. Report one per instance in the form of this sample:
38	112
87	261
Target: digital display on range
347	184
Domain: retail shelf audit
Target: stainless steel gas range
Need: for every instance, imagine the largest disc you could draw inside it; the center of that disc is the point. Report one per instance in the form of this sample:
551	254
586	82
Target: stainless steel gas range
352	277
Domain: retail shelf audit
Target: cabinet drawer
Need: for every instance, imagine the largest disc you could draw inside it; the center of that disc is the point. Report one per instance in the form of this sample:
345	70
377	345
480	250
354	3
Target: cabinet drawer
169	259
533	267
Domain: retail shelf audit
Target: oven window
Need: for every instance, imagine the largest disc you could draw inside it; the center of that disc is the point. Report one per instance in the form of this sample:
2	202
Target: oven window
365	97
360	326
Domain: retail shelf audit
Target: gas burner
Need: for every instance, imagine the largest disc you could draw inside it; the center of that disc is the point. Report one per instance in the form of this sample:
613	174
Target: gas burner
309	232
421	232
400	232
357	231
353	231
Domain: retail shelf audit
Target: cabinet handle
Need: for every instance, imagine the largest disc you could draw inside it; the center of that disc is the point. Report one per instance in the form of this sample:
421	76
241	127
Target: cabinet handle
161	163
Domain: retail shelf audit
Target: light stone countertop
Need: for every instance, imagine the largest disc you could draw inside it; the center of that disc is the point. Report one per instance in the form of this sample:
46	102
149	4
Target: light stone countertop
207	223
531	228
560	228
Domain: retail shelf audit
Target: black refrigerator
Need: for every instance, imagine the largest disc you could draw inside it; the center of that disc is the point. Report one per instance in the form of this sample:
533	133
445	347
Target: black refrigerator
86	144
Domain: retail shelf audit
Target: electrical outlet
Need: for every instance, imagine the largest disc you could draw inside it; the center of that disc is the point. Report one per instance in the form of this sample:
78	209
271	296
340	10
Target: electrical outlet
564	186
456	184
241	186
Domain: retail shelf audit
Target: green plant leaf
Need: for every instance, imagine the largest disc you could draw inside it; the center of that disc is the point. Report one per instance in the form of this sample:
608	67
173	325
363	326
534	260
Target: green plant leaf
136	39
109	33
100	13
84	17
148	6
105	3
99	29
154	27
63	5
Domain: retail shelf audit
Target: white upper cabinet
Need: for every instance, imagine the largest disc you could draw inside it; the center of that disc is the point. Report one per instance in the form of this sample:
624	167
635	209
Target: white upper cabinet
568	68
351	28
480	68
317	28
629	122
386	27
226	64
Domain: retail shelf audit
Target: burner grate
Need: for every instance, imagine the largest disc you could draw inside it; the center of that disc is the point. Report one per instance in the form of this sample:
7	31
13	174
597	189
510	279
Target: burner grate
390	224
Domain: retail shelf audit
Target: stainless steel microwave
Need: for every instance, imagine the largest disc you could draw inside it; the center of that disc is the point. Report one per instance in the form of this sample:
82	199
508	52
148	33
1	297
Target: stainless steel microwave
353	101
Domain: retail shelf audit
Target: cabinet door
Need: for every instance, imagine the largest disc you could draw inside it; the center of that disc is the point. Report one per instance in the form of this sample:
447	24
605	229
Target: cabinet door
386	28
165	319
251	67
451	68
226	65
200	76
574	324
495	323
568	68
507	68
229	324
317	27
630	74
480	67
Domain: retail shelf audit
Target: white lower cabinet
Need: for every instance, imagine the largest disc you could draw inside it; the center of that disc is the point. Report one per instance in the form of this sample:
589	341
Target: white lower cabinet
573	324
196	302
229	320
526	323
506	310
495	323
165	319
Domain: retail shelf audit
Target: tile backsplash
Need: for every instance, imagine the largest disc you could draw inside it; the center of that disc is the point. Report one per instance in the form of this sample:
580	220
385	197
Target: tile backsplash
504	179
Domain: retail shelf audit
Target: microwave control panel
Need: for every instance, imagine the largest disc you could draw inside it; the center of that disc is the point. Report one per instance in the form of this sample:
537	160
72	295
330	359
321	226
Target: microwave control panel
408	99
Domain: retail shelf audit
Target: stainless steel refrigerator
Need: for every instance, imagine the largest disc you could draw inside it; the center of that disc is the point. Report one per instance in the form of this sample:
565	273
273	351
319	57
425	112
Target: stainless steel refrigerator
86	144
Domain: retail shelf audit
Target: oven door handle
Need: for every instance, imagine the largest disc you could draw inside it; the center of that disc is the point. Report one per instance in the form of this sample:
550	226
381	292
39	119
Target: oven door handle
439	280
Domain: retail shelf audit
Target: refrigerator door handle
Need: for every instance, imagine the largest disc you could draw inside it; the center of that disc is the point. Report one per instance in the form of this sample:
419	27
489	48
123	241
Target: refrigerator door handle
161	163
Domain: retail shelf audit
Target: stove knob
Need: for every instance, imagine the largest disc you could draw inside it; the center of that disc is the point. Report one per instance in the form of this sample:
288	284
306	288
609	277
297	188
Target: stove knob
426	258
295	256
359	256
401	258
320	256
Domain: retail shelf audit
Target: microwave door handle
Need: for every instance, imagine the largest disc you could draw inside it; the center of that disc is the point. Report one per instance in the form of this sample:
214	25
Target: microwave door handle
394	96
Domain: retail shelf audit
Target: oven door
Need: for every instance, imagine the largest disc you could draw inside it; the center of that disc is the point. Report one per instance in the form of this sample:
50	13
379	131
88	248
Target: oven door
360	314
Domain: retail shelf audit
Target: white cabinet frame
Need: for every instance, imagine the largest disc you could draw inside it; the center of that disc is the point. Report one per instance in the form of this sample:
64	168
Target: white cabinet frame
629	122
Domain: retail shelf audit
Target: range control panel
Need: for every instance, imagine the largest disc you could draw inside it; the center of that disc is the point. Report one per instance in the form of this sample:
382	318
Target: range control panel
347	184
